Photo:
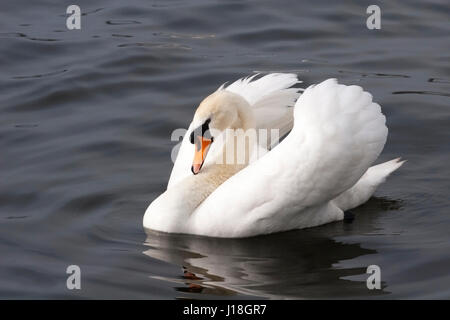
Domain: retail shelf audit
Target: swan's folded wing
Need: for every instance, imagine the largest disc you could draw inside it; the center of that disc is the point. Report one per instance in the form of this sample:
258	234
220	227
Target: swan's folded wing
338	133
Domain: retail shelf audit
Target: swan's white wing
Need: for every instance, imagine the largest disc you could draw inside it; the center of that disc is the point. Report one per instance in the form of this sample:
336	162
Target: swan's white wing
338	133
271	99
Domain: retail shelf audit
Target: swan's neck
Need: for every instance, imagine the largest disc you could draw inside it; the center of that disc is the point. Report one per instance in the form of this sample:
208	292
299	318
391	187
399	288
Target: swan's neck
235	156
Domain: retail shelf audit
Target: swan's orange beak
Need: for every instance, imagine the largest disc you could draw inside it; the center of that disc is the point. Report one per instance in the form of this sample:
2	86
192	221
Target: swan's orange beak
201	150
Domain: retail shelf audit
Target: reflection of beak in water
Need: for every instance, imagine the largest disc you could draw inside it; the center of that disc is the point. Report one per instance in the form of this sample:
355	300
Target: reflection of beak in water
191	286
297	264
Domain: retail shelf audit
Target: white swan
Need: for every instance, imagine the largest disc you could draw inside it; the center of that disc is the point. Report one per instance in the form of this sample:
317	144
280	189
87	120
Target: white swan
316	173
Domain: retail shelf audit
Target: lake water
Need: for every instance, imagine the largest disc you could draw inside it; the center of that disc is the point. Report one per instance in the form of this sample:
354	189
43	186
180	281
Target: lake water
85	125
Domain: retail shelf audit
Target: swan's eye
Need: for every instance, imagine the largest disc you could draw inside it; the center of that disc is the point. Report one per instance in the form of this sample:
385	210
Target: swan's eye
202	131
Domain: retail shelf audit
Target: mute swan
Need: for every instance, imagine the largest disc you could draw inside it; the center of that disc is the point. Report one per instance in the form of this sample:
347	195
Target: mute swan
321	169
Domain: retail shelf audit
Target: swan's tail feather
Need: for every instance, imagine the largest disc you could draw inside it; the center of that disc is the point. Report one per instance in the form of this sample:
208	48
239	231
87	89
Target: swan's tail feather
377	174
366	186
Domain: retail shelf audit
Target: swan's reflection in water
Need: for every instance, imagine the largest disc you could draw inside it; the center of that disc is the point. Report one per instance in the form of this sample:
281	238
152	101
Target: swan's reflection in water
295	264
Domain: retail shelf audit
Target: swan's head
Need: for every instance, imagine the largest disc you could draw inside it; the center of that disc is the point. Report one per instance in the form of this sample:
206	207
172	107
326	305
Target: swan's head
218	112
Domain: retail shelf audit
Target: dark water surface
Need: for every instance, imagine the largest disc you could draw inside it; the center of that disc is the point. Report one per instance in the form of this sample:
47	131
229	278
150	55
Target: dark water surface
85	125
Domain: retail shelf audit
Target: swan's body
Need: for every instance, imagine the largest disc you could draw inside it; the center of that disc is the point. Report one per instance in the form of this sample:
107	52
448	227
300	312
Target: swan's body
319	170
